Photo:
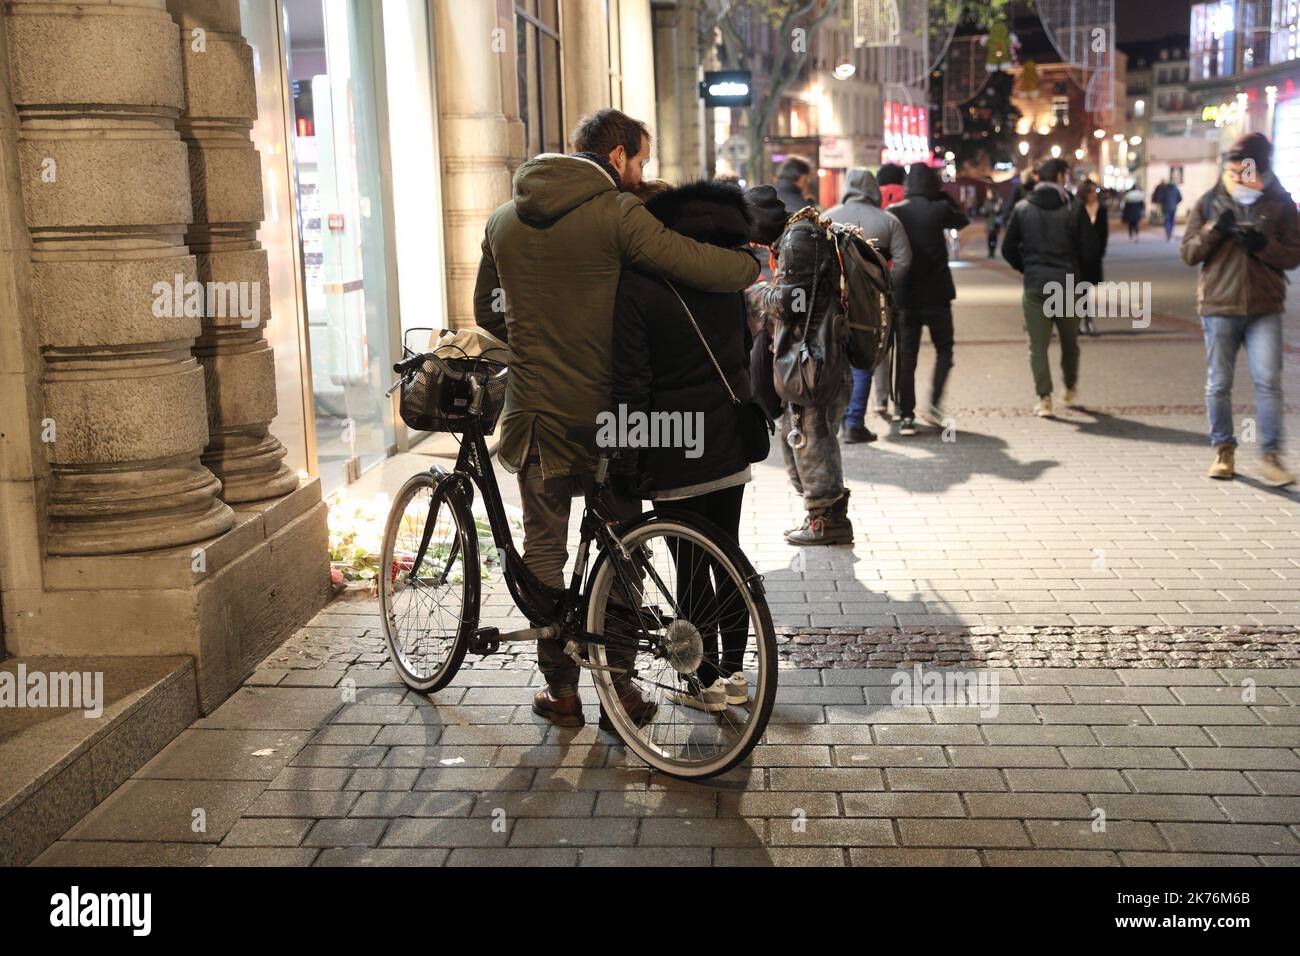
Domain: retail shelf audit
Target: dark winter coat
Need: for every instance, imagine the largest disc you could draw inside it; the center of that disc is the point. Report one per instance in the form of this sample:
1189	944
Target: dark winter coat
1090	265
1045	239
925	214
659	363
1234	281
552	256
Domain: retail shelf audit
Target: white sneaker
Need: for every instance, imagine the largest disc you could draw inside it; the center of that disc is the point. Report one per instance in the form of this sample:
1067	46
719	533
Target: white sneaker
1070	396
737	689
1043	407
933	415
711	699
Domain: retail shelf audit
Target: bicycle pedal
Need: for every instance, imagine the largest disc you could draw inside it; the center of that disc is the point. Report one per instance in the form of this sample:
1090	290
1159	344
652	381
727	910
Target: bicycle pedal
486	640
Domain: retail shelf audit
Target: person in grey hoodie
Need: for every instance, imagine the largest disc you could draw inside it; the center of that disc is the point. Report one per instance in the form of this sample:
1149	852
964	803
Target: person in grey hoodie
861	207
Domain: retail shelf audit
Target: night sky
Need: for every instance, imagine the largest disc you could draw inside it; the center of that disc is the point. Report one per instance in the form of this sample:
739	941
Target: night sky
1151	19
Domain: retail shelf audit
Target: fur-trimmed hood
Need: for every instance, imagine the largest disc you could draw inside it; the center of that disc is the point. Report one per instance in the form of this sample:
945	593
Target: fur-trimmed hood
713	212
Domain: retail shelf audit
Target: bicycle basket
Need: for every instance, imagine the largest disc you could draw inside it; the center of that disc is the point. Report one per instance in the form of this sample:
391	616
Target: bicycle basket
434	400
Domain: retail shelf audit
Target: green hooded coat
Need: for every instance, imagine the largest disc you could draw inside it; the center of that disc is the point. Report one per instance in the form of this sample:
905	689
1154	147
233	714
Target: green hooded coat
552	257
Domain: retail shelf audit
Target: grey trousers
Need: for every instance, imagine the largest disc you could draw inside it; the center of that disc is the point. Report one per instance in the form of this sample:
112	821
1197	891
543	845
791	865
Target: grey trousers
546	504
816	470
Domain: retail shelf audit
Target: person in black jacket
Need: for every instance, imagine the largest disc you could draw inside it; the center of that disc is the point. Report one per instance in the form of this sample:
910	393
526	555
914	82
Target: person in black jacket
1093	213
661	368
1046	242
925	299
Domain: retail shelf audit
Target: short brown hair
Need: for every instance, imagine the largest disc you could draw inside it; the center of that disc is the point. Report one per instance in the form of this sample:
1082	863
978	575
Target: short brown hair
605	130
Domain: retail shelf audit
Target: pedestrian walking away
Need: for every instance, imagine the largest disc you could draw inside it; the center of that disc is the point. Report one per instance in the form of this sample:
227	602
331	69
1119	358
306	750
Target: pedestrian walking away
1046	241
925	298
1244	234
861	207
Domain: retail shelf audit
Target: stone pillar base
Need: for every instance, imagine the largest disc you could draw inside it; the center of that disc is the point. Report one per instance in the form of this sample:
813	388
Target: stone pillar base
227	602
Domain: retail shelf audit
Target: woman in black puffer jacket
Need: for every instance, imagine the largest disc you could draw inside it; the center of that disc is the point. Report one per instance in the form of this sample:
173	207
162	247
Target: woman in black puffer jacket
662	373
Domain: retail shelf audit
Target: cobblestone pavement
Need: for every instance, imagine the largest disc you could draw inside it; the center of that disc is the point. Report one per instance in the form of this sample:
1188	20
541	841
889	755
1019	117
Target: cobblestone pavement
1139	619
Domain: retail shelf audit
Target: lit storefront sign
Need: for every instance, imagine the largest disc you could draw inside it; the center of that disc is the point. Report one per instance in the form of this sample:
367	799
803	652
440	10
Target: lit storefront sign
1286	143
726	88
906	134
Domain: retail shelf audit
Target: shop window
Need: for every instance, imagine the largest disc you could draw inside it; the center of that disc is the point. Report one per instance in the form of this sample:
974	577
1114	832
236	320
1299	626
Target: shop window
537	27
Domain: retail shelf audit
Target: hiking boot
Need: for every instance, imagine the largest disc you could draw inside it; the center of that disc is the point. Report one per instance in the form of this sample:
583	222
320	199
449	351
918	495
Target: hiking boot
858	434
1273	472
1224	462
640	710
561	711
907	426
1043	407
831	526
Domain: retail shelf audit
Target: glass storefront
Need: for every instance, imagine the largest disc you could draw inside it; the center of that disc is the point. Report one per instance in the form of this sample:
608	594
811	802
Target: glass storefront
347	122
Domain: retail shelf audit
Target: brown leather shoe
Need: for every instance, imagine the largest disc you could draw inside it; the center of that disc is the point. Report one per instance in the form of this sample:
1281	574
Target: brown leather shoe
641	711
561	711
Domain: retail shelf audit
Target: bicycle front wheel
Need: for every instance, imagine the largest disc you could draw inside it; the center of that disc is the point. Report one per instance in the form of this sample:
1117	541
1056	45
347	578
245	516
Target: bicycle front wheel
428	583
697	597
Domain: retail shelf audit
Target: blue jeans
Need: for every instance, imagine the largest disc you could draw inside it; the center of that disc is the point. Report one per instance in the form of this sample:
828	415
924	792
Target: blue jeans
1169	222
1262	336
856	413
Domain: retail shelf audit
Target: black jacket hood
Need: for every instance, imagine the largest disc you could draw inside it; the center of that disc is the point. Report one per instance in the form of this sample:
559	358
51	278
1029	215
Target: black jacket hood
1048	196
922	180
712	212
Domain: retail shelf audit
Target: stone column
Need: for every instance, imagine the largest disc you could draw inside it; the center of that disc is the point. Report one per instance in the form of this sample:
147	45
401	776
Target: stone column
96	88
584	39
226	191
476	137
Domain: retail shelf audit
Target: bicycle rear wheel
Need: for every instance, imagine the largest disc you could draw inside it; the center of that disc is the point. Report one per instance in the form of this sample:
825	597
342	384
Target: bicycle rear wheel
698	594
430	609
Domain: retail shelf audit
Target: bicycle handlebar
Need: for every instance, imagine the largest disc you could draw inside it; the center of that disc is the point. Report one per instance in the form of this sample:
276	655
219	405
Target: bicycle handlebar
409	366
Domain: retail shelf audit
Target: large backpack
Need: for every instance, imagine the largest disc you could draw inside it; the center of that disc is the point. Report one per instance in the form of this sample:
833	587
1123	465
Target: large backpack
808	362
865	285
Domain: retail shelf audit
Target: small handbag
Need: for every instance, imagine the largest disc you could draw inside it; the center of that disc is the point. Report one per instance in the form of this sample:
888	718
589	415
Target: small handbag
756	425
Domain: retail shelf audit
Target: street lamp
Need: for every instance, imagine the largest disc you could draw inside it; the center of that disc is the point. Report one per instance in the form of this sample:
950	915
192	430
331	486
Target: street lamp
1100	133
1135	140
844	71
1024	148
1056	152
1080	153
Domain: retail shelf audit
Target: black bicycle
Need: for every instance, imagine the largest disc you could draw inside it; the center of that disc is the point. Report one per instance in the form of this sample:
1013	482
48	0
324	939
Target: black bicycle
661	608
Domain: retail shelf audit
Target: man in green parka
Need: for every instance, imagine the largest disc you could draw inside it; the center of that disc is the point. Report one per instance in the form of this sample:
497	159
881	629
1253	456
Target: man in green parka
552	257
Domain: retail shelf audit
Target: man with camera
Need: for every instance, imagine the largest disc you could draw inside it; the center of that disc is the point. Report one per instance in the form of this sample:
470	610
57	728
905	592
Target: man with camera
1244	234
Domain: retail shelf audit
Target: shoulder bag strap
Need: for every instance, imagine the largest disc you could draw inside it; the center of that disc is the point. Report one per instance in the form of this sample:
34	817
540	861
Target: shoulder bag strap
703	341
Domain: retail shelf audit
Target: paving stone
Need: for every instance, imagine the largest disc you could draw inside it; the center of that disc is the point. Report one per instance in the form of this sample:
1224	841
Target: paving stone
331	756
473	778
225	755
79	853
656	803
261	856
838	778
637	856
381	856
922	734
1142	858
1026	806
958	833
889	756
1240	758
1121	757
1248	737
824	831
346	832
284	831
1285	810
1055	735
1275	783
1151	736
782	803
445	832
302	803
383	778
164	811
1051	858
346	734
1067	781
535	831
1141	806
779	856
1230	838
1189	781
912	856
897	804
310	778
1197	714
431	803
950	780
514	857
273	708
995	756
540	804
1095	714
701	832
1083	835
